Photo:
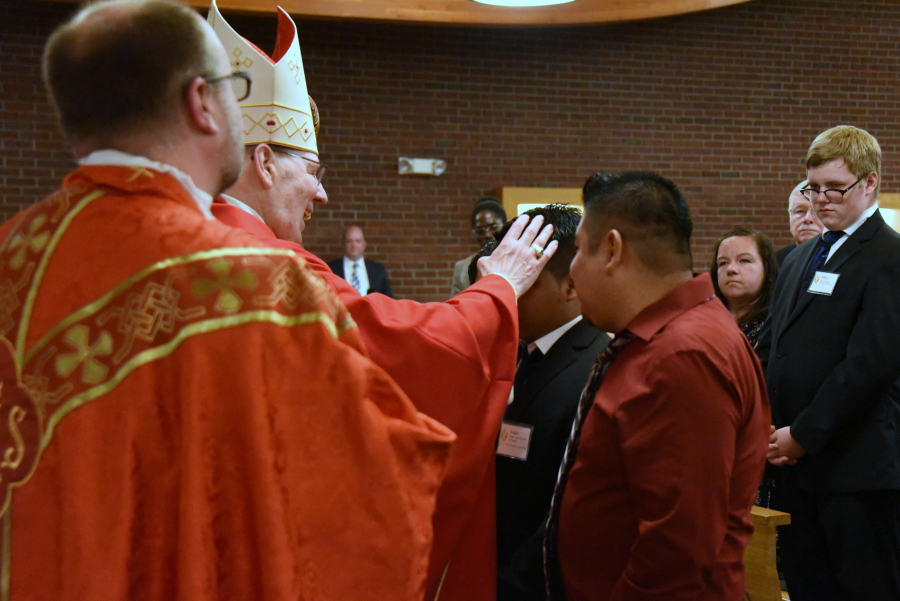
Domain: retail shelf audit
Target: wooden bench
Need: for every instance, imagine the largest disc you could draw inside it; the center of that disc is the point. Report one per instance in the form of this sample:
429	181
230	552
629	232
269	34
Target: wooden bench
759	557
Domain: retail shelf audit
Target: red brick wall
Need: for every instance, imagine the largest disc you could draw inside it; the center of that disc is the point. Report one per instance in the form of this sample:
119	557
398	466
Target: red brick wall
724	103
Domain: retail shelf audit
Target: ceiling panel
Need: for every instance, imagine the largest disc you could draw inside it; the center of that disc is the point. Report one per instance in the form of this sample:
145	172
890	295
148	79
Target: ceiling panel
468	12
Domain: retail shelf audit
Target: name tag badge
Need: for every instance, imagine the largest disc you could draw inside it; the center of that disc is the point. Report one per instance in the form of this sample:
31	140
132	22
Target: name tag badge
823	283
514	440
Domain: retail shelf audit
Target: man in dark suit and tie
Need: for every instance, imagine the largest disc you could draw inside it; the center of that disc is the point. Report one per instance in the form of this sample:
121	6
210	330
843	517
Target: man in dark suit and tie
364	275
835	327
557	353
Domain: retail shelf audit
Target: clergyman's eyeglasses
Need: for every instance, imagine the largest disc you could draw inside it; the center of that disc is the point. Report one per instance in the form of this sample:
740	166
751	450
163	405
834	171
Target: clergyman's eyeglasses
320	169
240	83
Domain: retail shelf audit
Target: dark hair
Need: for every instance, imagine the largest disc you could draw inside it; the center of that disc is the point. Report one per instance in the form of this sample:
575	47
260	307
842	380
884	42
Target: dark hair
770	274
488	203
650	213
107	76
563	218
485	251
596	182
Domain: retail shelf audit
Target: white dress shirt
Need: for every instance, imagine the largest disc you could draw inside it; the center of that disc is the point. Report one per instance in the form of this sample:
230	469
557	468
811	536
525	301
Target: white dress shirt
544	343
849	231
549	339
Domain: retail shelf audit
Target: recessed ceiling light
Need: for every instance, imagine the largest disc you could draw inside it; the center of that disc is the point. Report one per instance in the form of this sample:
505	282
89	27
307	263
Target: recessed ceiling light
523	2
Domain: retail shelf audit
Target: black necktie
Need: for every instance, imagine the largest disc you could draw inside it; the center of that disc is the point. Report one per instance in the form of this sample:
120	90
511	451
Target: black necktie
552	574
817	260
525	367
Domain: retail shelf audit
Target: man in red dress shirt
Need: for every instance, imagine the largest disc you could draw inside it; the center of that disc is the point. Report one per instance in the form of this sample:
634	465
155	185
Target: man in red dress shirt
656	504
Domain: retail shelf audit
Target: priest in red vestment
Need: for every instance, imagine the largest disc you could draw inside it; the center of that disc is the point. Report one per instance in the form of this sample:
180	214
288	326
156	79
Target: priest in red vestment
455	360
186	415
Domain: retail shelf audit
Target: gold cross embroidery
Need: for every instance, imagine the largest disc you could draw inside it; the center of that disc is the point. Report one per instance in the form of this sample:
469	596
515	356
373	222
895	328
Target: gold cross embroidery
228	301
295	66
31	240
78	337
139	171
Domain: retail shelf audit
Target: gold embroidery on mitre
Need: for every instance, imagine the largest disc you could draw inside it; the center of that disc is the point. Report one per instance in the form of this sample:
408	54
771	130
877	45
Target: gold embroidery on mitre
290	128
296	67
284	84
238	62
271	123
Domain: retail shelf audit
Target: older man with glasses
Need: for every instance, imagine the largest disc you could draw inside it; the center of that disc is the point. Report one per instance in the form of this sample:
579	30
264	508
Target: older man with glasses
455	360
802	220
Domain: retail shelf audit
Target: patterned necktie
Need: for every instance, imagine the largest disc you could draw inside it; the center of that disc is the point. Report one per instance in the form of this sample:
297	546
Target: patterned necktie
552	575
354	278
818	259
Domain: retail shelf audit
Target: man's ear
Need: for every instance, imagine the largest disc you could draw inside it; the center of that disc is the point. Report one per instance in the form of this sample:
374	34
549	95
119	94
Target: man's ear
264	165
612	247
570	288
201	106
871	182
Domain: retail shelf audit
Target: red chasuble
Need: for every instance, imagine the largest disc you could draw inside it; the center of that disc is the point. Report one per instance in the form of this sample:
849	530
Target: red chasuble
185	416
456	361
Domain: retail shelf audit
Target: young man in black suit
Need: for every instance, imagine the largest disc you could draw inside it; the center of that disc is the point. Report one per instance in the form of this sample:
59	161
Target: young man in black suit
364	275
558	349
835	326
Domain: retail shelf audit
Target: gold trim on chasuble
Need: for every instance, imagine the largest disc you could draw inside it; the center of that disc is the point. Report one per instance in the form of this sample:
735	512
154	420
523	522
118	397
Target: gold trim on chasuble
144	318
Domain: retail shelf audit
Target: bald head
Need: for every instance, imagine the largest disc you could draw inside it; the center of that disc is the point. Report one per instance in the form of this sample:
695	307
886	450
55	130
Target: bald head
796	191
354	243
120	66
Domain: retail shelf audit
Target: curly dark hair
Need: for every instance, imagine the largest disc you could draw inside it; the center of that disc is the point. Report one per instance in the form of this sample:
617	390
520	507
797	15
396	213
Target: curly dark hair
563	218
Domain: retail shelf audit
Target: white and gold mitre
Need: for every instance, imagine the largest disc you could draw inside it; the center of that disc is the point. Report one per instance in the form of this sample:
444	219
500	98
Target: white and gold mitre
277	110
